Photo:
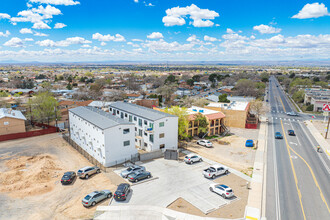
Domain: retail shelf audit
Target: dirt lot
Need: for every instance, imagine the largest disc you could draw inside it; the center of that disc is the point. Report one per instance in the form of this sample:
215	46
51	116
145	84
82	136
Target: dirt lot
234	154
30	173
233	210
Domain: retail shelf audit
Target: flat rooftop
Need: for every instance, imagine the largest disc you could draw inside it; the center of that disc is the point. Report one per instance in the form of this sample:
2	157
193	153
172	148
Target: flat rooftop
238	106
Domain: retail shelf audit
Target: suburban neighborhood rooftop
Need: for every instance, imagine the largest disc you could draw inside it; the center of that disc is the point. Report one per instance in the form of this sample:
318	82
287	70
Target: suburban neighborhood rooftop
4	112
98	117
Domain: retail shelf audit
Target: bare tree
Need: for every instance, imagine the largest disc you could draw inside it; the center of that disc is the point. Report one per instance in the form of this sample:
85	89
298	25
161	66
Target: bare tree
167	91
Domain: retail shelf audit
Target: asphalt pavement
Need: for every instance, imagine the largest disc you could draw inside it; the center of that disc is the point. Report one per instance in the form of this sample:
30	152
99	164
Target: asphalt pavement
298	176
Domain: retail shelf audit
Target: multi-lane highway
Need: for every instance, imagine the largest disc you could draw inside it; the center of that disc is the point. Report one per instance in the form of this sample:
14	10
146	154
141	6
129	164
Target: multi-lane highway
298	177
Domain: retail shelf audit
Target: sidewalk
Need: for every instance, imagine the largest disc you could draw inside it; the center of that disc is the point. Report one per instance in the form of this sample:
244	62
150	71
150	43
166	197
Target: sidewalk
253	209
319	138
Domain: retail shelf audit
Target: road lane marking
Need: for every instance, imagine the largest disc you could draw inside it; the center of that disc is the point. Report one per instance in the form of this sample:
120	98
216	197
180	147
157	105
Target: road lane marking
294	172
277	196
282	104
293	143
252	218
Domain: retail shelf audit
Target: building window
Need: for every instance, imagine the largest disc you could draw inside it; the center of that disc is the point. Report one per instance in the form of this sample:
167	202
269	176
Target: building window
151	125
135	118
140	122
145	145
162	146
125	115
151	138
140	132
161	124
145	122
135	128
126	131
126	143
110	109
117	112
162	135
130	118
122	115
145	134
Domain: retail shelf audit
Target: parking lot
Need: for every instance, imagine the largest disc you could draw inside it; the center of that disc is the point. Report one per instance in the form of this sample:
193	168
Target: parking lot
173	180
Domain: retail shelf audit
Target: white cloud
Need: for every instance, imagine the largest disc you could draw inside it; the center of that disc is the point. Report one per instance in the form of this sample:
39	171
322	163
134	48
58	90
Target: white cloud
38	34
59	25
56	2
40	25
136	1
63	43
28	39
265	29
314	10
200	17
192	38
149	5
26	31
230	31
86	46
103	43
14	42
116	38
162	45
208	38
4	16
4	34
155	35
137	40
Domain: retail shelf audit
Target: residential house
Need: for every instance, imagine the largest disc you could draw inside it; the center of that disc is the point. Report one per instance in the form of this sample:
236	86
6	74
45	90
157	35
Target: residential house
11	121
108	139
149	103
154	130
317	97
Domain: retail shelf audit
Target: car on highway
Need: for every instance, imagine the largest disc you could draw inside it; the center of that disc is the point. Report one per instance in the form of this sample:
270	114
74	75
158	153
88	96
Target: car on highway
278	135
131	169
122	192
249	143
291	132
96	197
292	114
86	172
205	143
68	177
139	175
215	170
192	158
221	189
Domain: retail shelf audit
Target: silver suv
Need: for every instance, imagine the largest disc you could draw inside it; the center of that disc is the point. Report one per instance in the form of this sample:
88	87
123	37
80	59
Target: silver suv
86	172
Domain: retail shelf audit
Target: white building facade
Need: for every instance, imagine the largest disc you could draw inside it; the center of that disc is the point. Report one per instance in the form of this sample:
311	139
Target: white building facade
154	130
110	140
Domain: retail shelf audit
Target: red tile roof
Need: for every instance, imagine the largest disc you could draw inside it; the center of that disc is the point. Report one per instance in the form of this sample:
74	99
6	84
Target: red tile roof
215	116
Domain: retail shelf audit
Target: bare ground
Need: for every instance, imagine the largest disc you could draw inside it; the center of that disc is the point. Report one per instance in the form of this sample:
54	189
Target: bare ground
30	187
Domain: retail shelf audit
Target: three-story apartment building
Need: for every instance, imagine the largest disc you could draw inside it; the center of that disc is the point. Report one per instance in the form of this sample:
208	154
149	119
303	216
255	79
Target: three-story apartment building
109	139
154	130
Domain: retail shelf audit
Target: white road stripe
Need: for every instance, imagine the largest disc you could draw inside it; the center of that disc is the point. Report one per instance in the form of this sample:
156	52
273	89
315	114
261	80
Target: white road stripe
277	203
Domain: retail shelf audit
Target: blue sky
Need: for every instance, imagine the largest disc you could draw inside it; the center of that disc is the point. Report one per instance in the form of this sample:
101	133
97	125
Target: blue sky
164	30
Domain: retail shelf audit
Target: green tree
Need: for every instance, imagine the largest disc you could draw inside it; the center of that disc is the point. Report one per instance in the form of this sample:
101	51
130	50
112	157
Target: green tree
202	122
292	75
182	120
170	79
69	86
298	96
46	86
196	78
190	82
213	78
264	77
43	107
167	91
223	98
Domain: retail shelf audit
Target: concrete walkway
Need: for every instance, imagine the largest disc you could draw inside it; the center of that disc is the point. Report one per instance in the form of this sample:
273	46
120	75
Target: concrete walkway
144	213
319	138
255	202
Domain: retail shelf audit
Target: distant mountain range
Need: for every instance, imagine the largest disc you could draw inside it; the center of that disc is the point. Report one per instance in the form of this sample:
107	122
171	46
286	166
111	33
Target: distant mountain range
125	62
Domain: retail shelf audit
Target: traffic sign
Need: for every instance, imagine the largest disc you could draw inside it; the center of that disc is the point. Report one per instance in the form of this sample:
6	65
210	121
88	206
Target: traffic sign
326	107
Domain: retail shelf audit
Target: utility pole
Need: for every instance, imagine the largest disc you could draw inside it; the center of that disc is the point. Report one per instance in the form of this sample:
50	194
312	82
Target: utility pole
55	116
326	134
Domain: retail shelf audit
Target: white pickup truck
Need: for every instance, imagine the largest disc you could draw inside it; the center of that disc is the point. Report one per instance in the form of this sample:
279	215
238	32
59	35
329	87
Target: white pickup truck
215	170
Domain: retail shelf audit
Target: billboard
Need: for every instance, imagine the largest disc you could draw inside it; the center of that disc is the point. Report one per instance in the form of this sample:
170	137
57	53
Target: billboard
326	107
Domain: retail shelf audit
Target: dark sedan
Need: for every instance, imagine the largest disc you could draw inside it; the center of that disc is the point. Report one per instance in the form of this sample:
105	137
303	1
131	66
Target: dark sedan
137	176
291	132
68	177
122	192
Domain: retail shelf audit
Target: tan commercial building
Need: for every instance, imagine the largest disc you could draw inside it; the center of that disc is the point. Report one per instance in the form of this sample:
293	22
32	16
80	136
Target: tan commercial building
11	121
237	114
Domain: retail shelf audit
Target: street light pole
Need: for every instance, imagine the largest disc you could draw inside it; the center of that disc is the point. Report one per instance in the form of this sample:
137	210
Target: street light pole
326	134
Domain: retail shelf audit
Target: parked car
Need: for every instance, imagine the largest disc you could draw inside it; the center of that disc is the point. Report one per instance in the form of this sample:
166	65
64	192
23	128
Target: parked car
96	197
221	189
139	175
68	177
278	135
86	172
292	114
122	192
192	158
131	169
249	143
205	143
215	170
291	132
